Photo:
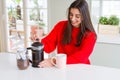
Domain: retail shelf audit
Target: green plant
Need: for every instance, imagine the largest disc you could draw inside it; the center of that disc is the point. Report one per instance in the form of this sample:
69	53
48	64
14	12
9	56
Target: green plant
103	20
18	1
113	20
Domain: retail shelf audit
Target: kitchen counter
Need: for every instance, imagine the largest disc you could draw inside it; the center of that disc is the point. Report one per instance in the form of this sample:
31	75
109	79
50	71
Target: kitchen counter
9	71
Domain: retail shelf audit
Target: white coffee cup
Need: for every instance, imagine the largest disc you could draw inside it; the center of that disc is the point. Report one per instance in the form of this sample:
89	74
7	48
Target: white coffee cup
59	60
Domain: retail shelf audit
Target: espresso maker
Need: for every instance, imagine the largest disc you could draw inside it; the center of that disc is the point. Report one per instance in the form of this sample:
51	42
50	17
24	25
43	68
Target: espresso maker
37	53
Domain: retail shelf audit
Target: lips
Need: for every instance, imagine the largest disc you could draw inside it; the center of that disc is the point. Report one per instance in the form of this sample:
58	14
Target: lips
73	22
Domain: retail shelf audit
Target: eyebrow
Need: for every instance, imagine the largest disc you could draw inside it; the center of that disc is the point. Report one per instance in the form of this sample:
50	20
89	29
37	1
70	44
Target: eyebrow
76	14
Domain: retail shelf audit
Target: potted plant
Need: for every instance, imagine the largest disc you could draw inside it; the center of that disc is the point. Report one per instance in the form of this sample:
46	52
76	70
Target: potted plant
109	25
113	20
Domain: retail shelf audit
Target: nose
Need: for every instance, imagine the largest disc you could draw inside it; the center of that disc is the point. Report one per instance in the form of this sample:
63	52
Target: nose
73	18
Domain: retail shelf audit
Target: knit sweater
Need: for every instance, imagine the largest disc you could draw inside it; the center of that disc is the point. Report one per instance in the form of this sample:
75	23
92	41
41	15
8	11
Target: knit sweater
75	54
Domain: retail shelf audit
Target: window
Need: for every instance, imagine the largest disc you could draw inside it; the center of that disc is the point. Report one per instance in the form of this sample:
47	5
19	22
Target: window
21	17
105	8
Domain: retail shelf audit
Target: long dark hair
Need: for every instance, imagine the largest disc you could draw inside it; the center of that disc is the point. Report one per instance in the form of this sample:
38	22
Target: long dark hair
85	25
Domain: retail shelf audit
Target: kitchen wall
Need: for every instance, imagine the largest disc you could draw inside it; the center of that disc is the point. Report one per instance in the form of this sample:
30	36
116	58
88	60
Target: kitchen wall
57	10
103	54
106	55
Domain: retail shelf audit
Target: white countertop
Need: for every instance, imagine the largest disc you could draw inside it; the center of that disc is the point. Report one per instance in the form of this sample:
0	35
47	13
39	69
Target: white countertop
9	71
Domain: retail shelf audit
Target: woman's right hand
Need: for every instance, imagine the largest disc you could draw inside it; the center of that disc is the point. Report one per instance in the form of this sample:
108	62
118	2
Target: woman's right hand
34	37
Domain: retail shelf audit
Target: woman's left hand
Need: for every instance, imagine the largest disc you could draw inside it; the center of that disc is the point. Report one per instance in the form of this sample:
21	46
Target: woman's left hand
45	63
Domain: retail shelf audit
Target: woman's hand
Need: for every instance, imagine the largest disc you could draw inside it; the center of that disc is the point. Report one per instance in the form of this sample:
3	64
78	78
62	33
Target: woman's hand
45	63
35	37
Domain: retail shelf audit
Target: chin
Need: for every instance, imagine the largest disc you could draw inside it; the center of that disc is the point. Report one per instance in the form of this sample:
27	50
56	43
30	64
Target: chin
75	26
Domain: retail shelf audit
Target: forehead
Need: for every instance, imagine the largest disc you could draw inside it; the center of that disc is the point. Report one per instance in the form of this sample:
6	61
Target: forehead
74	11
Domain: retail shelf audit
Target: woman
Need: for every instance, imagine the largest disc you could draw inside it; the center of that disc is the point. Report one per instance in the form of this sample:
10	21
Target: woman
75	37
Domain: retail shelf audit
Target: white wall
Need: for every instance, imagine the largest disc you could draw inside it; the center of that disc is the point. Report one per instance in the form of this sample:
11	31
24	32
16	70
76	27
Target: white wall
57	10
106	55
103	54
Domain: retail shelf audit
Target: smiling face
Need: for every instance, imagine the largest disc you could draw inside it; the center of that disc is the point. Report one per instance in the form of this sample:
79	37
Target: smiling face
75	17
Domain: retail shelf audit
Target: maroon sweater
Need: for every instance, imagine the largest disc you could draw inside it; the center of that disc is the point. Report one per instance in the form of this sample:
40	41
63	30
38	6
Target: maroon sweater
75	54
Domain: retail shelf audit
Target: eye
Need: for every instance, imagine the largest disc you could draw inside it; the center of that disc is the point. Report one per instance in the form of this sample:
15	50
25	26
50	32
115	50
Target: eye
71	14
78	16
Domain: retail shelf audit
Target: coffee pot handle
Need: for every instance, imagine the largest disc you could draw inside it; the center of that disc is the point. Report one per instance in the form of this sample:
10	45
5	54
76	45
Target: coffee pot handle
29	48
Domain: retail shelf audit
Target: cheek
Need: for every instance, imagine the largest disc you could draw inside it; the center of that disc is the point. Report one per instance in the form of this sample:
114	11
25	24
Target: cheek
71	18
79	21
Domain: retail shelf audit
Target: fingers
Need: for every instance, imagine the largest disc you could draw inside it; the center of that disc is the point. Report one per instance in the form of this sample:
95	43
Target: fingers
34	37
44	64
41	65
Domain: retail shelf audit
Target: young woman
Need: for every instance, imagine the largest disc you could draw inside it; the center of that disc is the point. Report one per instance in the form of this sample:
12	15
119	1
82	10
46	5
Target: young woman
75	37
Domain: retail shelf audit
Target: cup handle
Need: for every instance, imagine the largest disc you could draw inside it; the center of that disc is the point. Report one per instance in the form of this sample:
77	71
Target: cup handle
53	61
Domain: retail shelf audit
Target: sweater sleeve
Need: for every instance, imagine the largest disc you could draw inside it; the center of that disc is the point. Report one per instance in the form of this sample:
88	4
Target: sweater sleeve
83	54
50	41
